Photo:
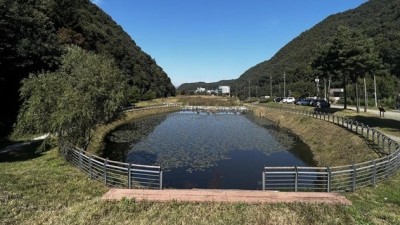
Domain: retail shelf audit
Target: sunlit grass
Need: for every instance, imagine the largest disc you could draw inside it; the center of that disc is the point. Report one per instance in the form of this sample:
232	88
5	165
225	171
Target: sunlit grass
44	189
47	190
330	144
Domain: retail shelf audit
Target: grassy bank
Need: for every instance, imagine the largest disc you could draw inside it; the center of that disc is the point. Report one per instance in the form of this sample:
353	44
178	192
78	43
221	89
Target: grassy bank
96	145
330	144
46	190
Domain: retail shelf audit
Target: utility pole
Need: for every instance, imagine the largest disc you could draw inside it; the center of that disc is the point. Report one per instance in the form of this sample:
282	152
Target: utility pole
258	83
270	83
376	98
249	89
284	84
365	96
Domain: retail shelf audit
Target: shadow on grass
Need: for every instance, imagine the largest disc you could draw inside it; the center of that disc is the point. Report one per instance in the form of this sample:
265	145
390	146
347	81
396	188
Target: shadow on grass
328	110
389	124
19	151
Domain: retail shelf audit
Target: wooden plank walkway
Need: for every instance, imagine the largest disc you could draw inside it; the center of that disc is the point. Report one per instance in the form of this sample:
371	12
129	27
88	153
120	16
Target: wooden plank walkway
211	195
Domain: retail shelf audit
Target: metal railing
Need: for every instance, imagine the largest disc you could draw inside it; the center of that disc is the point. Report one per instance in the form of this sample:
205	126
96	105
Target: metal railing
338	178
113	173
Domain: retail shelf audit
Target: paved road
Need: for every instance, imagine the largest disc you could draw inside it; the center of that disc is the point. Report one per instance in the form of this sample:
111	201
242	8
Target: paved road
394	114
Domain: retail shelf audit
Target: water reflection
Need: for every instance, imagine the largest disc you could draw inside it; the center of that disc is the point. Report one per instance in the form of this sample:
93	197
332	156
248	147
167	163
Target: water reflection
202	150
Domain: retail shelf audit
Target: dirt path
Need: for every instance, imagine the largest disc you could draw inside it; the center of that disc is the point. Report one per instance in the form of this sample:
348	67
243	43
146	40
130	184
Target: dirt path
208	195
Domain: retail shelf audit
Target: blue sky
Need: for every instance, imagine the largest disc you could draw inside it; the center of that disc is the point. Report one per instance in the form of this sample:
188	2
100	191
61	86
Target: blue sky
212	40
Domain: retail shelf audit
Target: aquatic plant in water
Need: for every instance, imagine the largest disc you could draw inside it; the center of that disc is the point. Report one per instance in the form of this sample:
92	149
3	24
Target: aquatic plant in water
199	140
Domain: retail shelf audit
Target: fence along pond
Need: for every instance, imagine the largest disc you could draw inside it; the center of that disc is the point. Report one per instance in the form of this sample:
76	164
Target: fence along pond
338	178
326	179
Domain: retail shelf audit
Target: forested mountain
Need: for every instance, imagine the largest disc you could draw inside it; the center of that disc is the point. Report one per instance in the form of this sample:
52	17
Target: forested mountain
34	34
376	19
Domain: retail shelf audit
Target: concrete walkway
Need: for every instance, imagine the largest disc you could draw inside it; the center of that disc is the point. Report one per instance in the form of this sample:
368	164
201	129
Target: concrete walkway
211	195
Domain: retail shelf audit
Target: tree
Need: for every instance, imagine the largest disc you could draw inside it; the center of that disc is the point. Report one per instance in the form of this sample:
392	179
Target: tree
87	90
350	56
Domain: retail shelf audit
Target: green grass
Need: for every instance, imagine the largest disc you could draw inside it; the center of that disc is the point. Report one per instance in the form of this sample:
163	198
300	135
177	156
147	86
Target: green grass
330	144
44	189
47	190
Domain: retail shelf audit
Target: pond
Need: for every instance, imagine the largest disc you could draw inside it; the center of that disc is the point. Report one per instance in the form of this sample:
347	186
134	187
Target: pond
207	150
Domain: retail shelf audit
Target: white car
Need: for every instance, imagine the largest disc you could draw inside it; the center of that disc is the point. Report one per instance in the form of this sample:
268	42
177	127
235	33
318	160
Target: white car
290	100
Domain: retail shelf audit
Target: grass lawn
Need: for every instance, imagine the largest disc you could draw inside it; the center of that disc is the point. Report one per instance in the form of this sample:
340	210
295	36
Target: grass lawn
47	190
44	189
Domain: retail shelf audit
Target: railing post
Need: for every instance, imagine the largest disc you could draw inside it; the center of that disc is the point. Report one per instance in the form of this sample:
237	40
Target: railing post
324	115
387	167
80	158
377	138
354	178
105	171
374	173
383	142
263	180
296	179
373	135
367	132
356	127
342	121
351	125
328	172
161	179
362	129
90	166
130	176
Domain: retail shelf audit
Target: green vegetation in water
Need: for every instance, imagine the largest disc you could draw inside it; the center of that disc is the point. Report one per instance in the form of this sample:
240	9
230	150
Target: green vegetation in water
127	134
194	140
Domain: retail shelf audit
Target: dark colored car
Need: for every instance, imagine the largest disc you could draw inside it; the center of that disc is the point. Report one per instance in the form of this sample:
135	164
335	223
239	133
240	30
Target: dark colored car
303	102
321	103
278	99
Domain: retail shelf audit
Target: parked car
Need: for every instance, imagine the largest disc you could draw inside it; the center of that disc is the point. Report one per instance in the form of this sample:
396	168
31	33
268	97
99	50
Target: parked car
320	103
303	102
278	99
290	100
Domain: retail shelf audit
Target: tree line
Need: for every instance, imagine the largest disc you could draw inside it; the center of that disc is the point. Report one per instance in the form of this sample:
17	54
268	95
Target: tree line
35	33
376	20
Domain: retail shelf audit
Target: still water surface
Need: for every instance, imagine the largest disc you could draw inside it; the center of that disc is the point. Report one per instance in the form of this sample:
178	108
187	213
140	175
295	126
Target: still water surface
202	150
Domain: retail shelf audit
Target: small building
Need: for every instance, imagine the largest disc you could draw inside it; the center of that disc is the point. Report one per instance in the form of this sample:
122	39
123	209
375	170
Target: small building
335	94
225	90
200	90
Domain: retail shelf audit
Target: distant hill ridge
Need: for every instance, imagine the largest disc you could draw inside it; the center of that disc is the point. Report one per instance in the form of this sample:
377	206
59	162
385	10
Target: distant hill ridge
377	19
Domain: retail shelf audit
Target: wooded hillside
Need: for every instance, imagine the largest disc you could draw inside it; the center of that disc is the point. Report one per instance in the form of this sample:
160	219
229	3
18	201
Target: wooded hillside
34	34
376	19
